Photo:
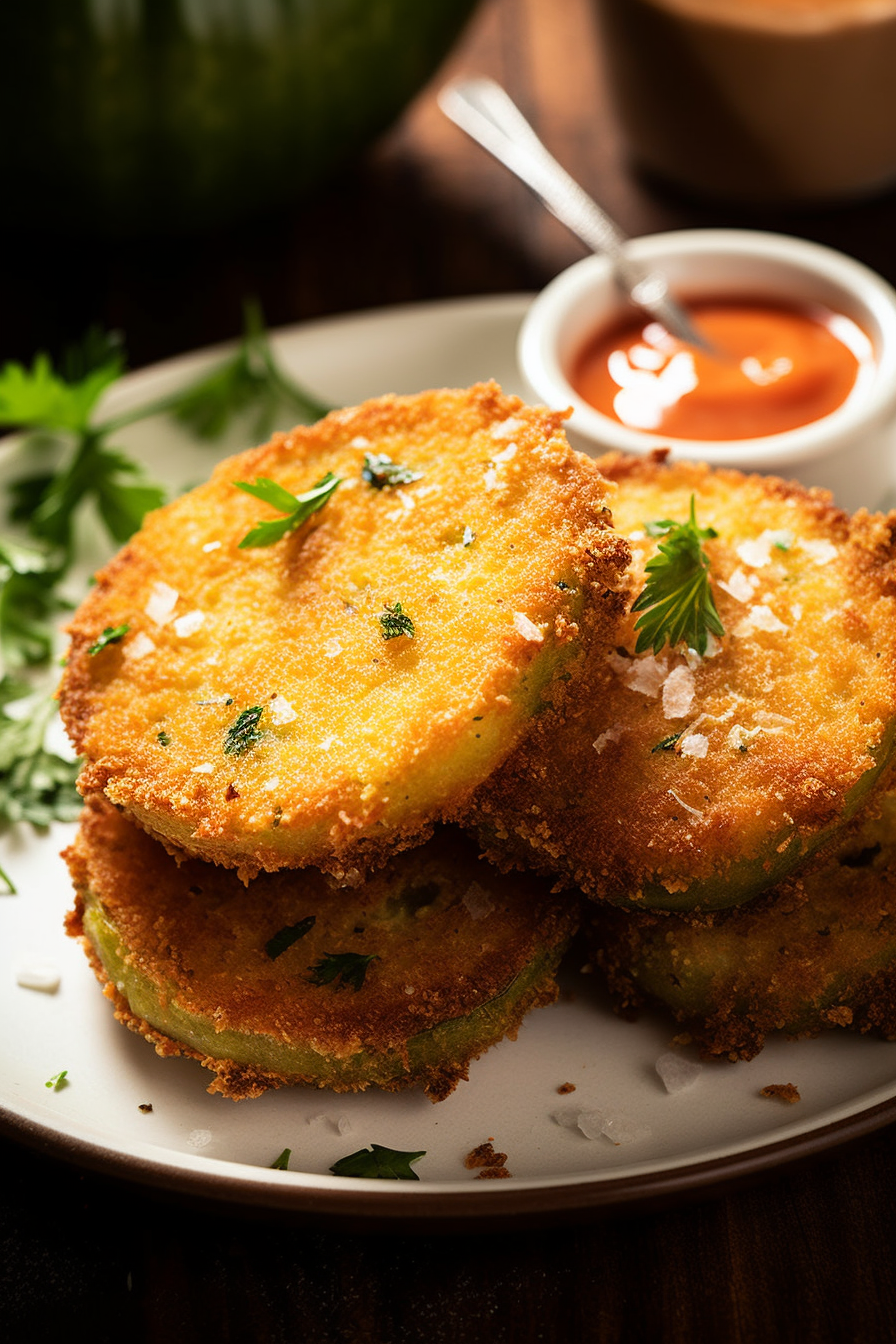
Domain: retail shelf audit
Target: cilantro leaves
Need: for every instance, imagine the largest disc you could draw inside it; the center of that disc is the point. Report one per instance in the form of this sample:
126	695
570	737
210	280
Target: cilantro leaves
389	1164
296	507
677	604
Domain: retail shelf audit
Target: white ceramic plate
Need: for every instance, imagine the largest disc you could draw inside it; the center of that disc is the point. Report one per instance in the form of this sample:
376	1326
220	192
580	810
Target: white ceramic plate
717	1131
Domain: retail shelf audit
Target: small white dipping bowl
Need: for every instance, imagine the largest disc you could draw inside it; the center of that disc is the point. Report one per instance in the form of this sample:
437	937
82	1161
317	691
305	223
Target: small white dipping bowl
851	451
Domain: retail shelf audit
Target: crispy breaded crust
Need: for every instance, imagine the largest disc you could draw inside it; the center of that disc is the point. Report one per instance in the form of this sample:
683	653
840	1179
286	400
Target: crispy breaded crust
459	955
501	553
690	784
798	962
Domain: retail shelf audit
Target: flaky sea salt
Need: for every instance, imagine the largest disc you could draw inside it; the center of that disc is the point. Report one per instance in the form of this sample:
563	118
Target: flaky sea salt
505	429
646	674
189	623
199	1138
212	546
528	629
757	552
611	735
161	603
821	551
760	618
281	711
205	769
139	646
677	1073
693	744
603	1124
740	586
679	690
40	976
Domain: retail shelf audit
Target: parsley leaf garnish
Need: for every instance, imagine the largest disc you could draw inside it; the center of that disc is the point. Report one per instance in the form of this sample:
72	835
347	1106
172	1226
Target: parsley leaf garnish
341	969
58	1081
243	732
251	378
396	622
285	938
385	1164
281	1163
381	472
677	601
296	507
113	634
35	785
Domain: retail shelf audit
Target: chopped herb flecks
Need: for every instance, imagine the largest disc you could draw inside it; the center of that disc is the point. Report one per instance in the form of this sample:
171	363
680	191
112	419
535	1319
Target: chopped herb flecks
58	1081
667	744
341	969
677	601
381	472
297	508
287	936
163	738
243	732
112	634
385	1164
281	1163
396	622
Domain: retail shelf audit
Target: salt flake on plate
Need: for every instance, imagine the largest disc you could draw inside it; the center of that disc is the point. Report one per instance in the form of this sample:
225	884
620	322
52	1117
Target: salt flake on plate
677	1073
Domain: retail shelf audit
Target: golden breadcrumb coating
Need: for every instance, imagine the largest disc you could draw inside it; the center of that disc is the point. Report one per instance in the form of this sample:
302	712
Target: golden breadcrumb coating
688	783
799	962
500	551
452	955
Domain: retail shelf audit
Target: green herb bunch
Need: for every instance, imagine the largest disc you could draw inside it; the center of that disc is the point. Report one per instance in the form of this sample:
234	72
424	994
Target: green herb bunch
77	469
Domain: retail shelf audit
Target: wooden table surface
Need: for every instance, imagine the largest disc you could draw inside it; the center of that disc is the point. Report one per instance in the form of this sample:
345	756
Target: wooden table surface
806	1254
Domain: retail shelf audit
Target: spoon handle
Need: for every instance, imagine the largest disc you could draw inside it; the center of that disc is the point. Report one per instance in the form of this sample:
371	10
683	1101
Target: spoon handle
490	116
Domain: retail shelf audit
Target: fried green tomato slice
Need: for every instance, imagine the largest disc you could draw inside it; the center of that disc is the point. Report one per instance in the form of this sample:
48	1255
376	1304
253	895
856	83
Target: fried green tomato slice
676	781
798	963
400	983
324	697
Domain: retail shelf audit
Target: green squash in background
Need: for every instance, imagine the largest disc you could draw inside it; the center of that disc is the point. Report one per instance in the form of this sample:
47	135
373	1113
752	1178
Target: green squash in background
146	115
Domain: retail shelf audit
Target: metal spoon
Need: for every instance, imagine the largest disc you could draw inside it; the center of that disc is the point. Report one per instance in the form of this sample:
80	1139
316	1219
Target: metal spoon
490	116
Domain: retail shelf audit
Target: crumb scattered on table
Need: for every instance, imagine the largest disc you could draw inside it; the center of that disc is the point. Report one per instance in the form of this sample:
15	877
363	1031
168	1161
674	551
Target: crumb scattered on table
783	1091
566	1087
145	1107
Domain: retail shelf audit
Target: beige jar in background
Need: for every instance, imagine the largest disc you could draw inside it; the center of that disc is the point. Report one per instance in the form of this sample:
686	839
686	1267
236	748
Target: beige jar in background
757	101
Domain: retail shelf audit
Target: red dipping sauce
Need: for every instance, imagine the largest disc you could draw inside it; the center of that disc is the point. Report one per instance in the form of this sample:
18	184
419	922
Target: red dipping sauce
772	368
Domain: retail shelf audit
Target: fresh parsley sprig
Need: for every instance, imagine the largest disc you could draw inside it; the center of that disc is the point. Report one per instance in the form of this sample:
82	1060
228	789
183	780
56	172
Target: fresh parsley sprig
35	785
677	604
390	1164
297	508
251	380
